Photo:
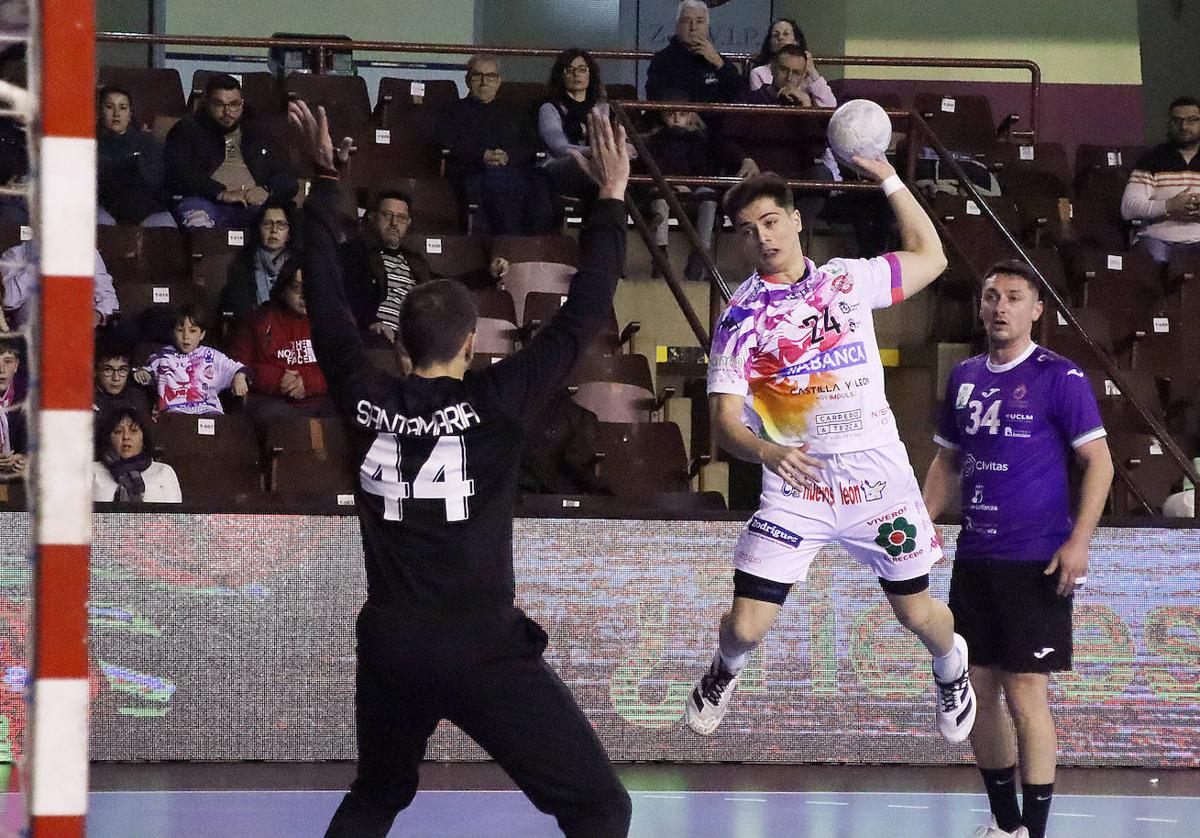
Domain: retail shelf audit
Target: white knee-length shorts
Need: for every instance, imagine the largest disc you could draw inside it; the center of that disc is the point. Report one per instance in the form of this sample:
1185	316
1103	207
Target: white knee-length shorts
868	500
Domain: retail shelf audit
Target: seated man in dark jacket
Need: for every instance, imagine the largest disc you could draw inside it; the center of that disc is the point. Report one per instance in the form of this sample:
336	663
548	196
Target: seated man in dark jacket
492	146
129	167
220	163
691	64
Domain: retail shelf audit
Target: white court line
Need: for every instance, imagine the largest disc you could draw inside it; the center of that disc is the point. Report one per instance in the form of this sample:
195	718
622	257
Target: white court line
899	806
826	803
1071	815
984	811
1156	820
662	796
747	799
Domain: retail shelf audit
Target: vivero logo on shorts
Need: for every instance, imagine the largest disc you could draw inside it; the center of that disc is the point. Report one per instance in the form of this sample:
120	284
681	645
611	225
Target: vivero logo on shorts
774	532
839	357
897	537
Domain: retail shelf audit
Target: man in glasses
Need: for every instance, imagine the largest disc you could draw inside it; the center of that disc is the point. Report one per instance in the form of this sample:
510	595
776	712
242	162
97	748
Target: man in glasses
115	388
221	164
1163	192
492	145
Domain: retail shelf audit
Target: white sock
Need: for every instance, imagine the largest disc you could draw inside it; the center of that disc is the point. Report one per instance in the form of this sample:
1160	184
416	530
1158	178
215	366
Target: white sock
733	664
949	666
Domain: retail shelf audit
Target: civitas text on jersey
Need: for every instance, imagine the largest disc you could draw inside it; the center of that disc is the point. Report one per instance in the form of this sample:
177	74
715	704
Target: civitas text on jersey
452	419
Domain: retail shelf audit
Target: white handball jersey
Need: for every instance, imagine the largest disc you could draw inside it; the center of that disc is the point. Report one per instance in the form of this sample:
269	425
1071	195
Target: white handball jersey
805	358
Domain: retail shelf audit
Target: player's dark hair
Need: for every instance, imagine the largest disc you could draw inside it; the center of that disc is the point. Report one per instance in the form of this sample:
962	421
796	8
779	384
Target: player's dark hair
287	274
107	349
192	312
221	81
763	185
435	319
1015	267
790	49
1184	102
13	346
111	90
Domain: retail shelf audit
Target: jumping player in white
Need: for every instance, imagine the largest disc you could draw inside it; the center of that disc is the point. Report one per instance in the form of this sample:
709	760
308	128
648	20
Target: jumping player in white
795	382
1011	422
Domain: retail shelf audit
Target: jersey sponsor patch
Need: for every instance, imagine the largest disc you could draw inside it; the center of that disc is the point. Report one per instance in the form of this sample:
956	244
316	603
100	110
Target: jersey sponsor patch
774	532
964	395
839	357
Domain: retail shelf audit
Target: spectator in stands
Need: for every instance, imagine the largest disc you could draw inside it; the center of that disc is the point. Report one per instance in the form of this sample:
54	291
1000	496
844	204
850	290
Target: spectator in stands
221	164
276	346
188	375
129	167
683	145
380	269
782	32
113	388
19	269
492	149
14	154
252	275
560	452
575	90
1163	192
126	471
779	144
691	64
13	438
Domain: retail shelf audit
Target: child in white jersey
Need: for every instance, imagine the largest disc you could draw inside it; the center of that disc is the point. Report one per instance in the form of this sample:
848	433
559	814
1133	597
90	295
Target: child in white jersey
189	376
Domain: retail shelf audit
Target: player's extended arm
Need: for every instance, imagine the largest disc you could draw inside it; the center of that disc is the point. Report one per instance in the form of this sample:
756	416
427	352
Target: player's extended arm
941	481
922	260
794	465
1071	560
337	342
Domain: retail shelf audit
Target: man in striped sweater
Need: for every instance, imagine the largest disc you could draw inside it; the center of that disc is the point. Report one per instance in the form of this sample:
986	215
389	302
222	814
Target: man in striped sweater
1163	192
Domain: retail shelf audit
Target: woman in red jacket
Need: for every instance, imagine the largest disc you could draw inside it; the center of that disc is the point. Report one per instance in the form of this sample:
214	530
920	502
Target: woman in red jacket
275	344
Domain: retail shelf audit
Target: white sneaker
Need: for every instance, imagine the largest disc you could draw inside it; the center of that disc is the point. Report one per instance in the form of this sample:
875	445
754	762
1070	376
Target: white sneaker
708	702
993	831
956	700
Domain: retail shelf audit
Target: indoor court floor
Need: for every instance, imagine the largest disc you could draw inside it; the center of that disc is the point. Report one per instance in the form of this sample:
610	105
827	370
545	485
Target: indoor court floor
258	800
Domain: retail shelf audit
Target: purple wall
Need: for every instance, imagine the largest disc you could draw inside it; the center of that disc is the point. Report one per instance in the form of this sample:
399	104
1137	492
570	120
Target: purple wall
1071	114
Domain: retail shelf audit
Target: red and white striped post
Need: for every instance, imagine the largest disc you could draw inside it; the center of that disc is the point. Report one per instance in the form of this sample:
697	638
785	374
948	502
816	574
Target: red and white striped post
65	221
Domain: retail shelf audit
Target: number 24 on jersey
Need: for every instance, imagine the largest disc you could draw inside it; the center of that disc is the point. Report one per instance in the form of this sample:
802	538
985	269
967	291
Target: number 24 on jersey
443	476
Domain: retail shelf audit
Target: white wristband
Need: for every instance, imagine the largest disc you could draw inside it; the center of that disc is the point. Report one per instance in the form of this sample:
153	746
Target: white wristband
891	185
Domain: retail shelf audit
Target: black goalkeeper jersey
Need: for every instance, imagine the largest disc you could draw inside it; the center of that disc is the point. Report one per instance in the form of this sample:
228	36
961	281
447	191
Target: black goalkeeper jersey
438	458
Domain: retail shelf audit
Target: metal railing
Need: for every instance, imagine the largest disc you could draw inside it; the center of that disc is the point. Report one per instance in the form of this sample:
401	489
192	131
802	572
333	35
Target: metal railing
321	45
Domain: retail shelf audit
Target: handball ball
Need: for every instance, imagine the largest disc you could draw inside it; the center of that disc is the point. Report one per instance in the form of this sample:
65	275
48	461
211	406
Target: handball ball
859	127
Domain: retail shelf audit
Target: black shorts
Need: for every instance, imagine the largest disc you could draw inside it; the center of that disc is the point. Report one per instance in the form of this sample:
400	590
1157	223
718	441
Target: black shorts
1011	616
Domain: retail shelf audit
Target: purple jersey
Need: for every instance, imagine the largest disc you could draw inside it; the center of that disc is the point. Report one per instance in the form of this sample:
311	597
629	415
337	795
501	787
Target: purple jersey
1015	426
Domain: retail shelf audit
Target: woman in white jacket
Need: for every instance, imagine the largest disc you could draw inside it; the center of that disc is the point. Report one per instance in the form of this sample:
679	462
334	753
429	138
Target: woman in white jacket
125	471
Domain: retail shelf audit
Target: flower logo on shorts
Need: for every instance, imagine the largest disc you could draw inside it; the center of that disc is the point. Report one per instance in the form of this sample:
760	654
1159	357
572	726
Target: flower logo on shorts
897	537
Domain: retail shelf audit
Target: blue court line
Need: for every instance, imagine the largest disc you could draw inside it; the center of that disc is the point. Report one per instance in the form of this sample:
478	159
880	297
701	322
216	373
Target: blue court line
657	814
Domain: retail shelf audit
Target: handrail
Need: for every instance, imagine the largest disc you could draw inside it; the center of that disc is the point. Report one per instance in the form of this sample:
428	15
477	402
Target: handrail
1110	368
321	44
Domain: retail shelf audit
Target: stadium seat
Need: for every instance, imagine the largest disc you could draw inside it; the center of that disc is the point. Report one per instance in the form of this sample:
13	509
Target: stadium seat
561	249
1125	286
495	337
262	93
435	206
1141	457
631	369
1088	156
495	303
215	457
310	462
523	277
396	96
643	458
962	122
483	360
450	255
527	96
344	98
1116	407
12	496
10	236
1035	177
981	242
142	253
400	149
622	92
1057	335
612	402
540	307
156	91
